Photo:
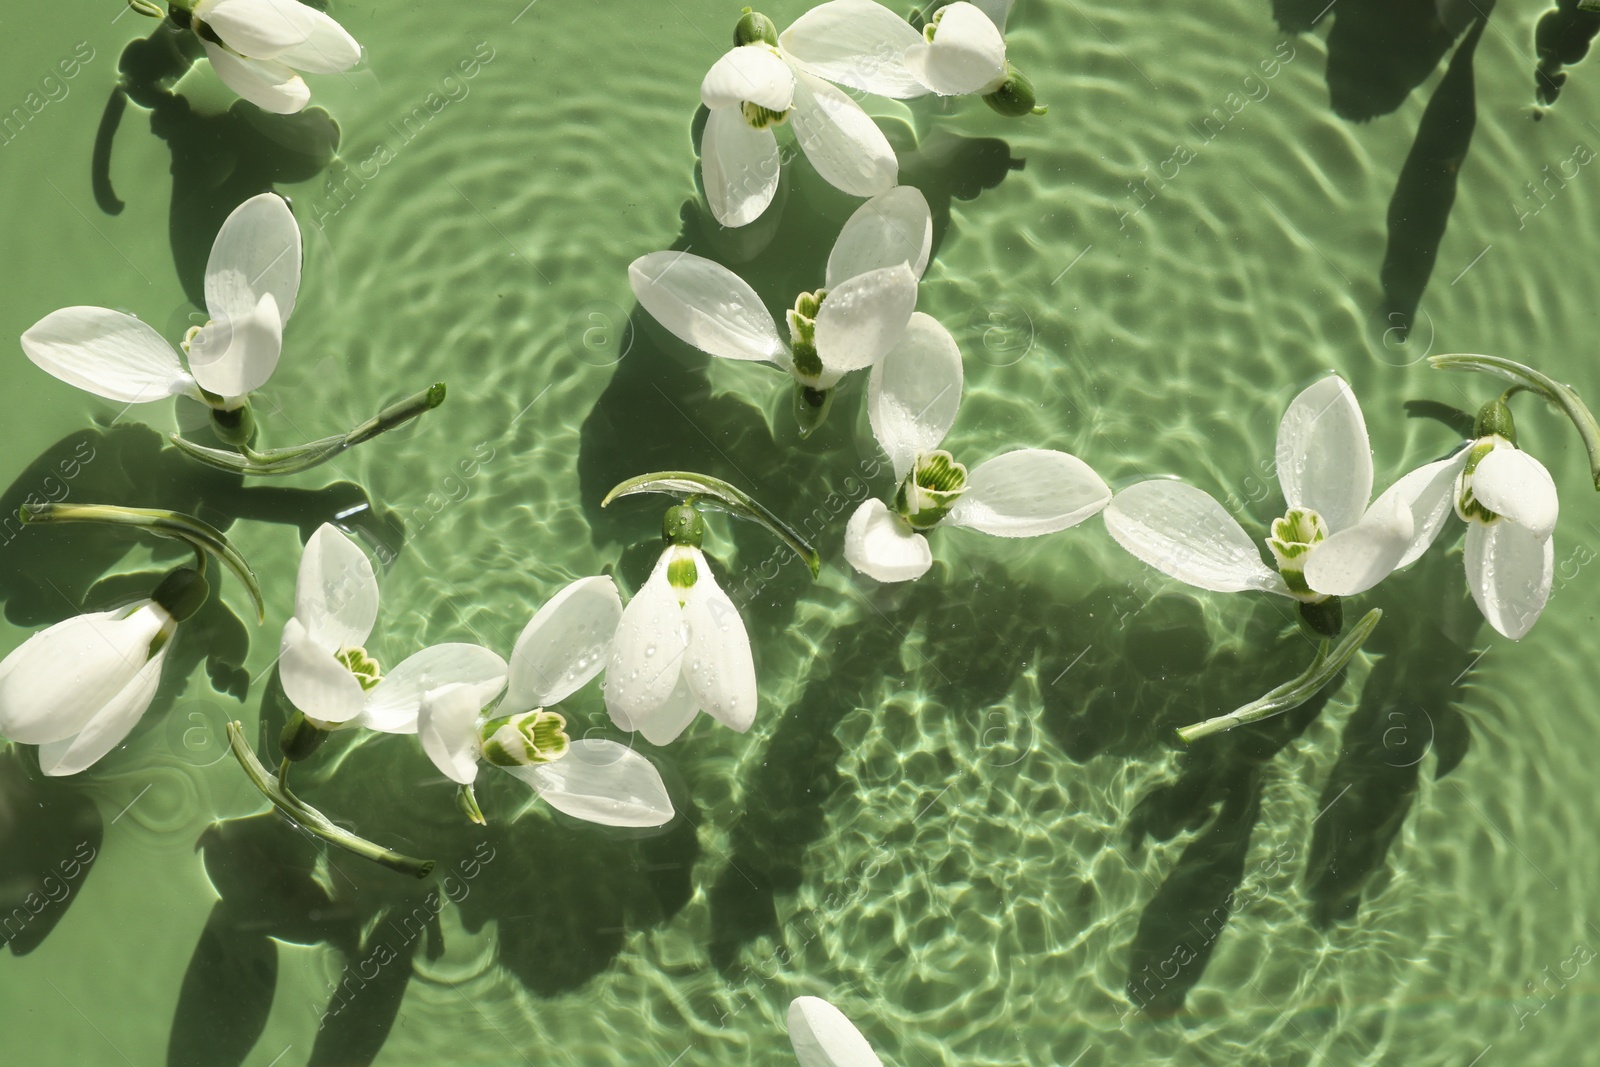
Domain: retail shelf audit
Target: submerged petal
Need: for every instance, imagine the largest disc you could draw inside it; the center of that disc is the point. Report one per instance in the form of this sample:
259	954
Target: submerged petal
647	656
316	683
892	228
717	661
58	680
823	1037
267	84
1182	532
105	731
751	72
880	544
336	593
393	704
602	782
232	357
914	392
863	319
706	305
447	726
841	140
739	165
1511	483
257	251
107	353
1509	572
1029	492
856	43
1324	460
566	643
967	55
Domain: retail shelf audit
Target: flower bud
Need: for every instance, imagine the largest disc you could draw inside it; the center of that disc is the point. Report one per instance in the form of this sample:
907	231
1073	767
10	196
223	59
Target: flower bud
1014	98
1494	420
932	488
682	525
525	740
755	28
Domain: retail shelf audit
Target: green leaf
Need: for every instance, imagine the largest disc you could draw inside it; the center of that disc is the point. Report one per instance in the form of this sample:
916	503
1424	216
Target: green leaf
1541	384
1324	668
701	488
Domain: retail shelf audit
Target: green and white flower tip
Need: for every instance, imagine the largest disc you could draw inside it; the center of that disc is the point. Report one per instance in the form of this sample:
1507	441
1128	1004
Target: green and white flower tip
681	647
1329	542
869	292
252	279
913	395
257	46
823	1037
79	687
963	53
441	693
758	86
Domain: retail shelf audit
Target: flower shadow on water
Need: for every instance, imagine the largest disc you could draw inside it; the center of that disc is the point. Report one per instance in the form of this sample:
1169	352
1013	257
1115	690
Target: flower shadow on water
218	160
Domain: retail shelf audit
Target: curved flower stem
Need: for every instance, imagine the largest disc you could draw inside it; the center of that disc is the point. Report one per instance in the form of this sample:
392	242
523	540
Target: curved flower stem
312	820
198	535
702	488
1324	668
1530	380
297	458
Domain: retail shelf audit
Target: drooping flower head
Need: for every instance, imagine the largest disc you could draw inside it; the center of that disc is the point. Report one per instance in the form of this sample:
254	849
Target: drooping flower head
912	400
257	46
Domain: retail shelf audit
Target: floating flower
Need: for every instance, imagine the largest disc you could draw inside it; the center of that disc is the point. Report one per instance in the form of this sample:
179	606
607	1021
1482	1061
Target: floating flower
869	291
757	86
564	645
256	47
681	647
823	1037
1328	543
912	399
77	688
325	671
251	282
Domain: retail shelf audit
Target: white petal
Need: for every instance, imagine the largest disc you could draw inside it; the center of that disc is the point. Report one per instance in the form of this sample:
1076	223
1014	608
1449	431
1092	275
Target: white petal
967	55
1358	557
1029	492
286	30
914	392
997	10
1182	532
855	43
108	727
231	357
336	593
706	305
258	250
602	782
863	318
107	353
1511	483
316	683
447	726
267	84
1509	572
664	724
891	228
56	681
842	142
1324	460
1429	493
717	661
566	643
739	165
823	1037
392	705
879	544
647	657
752	72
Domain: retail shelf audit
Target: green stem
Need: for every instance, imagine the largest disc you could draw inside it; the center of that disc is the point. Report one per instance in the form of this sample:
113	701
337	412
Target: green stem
1324	668
198	535
293	460
312	820
702	488
1562	396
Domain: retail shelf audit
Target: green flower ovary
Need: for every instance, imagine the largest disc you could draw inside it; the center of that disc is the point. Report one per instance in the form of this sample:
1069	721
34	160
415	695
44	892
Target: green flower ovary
525	740
932	488
1293	537
1467	507
363	666
802	319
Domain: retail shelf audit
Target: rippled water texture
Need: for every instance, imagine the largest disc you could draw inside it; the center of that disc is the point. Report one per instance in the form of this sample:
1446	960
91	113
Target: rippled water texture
960	815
